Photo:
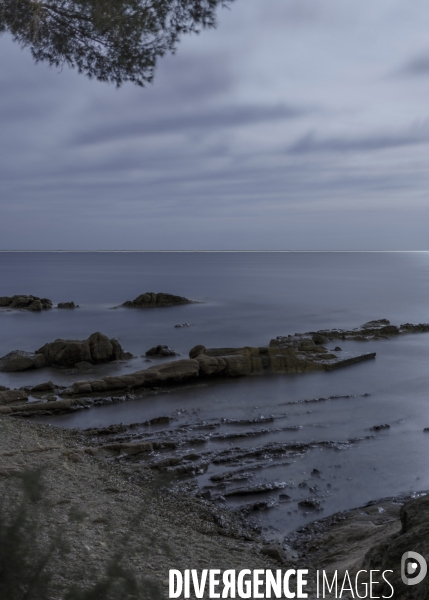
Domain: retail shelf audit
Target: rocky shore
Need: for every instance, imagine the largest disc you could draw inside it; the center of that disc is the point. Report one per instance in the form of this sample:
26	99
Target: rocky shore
115	472
178	531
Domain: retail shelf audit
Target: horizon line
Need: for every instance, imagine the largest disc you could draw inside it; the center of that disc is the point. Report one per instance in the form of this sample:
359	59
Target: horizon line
210	251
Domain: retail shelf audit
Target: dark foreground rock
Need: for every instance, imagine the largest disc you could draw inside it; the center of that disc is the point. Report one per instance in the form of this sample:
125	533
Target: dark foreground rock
373	537
154	300
31	303
98	348
414	536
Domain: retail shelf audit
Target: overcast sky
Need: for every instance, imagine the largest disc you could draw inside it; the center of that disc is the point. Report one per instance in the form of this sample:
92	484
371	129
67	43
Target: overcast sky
296	124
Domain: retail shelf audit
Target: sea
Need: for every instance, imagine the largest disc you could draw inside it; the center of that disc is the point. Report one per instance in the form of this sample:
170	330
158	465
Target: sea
246	299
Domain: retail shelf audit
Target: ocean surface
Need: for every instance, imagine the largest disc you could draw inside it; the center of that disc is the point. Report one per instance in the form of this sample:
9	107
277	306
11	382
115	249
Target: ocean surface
248	299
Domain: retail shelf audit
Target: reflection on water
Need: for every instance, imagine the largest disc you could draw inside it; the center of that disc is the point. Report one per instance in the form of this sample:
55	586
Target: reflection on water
109	40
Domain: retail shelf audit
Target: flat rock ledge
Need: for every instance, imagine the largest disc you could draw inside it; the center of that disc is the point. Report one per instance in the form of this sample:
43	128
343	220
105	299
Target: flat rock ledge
31	303
98	348
157	300
224	362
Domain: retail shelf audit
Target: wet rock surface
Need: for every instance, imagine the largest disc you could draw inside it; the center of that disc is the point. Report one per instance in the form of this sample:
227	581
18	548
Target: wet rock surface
156	300
30	303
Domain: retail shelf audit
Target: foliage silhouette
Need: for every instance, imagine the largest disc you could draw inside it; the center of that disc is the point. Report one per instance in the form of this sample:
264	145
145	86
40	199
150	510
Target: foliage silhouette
30	546
109	40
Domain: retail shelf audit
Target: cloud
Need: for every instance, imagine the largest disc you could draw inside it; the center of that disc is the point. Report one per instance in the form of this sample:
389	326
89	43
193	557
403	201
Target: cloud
309	143
188	122
417	67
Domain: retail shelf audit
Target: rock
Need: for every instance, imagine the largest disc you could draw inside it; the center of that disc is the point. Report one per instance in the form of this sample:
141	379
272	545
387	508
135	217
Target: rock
161	351
101	348
19	360
380	427
414	535
337	349
276	551
376	323
174	371
390	330
31	303
67	305
196	351
96	349
47	386
310	504
13	396
84	366
320	339
154	300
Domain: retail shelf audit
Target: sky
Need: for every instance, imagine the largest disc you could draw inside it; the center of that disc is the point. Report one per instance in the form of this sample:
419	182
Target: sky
295	125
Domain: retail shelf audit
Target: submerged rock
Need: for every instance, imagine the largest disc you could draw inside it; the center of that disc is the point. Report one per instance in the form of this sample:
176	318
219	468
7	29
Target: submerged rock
31	303
155	300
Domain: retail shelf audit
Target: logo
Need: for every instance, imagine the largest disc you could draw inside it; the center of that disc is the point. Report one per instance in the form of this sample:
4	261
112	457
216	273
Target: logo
413	568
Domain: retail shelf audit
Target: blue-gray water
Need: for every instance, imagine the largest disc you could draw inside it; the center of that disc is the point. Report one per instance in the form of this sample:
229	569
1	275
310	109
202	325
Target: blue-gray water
248	298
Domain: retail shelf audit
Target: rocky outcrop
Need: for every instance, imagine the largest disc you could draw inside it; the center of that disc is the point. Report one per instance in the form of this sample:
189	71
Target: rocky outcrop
98	348
67	305
160	352
31	303
299	353
154	300
414	535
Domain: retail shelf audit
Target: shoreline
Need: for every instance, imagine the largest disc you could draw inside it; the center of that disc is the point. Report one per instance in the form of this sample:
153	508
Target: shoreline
184	531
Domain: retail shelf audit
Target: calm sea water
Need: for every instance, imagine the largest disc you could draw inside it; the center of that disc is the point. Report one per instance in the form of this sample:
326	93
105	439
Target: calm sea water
247	299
